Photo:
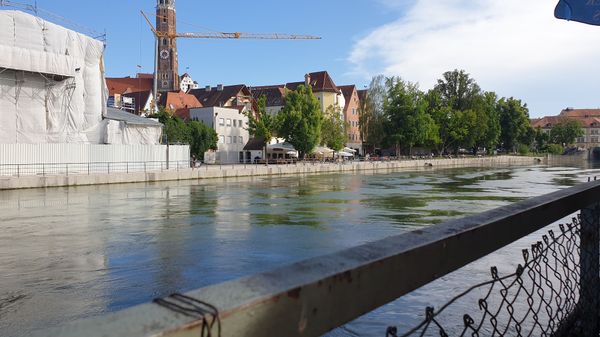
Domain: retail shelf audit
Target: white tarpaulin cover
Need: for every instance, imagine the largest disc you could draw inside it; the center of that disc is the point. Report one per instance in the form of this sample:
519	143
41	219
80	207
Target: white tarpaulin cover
52	87
126	128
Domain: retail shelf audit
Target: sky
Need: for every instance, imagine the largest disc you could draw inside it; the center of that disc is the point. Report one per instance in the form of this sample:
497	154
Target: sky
513	47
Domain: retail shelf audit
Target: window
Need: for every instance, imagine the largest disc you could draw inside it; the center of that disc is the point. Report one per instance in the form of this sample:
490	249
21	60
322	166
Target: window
594	140
222	139
221	121
354	111
240	121
234	140
235	123
228	121
229	140
164	42
241	140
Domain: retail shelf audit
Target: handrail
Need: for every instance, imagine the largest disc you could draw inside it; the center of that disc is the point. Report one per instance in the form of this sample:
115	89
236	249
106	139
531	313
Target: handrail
314	296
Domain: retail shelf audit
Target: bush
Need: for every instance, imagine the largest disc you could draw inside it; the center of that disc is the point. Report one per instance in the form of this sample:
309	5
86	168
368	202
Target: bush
555	149
523	149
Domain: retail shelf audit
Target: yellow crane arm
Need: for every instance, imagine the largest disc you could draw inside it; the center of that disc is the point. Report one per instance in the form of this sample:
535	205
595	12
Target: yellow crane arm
238	35
235	35
156	33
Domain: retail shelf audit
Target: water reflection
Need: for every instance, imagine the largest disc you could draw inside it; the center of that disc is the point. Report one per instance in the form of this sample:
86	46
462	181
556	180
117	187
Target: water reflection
67	253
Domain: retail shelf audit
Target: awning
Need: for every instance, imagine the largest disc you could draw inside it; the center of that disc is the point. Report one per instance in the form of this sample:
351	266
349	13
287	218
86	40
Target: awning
285	146
344	154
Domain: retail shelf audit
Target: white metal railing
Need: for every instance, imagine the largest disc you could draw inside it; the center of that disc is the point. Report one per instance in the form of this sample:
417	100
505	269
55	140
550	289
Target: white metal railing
68	169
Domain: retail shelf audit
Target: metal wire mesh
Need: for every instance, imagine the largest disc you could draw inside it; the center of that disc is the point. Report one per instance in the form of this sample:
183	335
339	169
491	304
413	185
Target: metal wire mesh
541	298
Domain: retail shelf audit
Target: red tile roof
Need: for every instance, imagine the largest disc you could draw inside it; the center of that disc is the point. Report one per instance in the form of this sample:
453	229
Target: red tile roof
125	85
362	94
275	95
144	75
549	122
347	90
581	113
319	81
180	103
218	98
545	122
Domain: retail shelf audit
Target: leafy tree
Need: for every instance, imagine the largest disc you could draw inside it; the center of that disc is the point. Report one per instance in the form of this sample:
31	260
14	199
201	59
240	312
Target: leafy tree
371	119
566	131
541	139
457	90
408	124
555	149
198	135
203	138
262	125
463	115
488	122
514	123
333	130
300	120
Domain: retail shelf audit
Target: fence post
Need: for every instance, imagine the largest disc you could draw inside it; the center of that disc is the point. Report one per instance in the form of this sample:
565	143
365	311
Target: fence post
590	270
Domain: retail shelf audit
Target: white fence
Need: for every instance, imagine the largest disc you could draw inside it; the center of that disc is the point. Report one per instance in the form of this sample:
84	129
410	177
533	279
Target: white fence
53	159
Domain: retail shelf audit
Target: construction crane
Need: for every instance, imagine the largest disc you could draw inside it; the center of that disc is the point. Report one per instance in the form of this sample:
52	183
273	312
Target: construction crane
214	35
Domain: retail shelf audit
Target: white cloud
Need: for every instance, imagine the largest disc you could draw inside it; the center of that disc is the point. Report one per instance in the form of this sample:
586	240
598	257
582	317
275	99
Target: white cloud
514	47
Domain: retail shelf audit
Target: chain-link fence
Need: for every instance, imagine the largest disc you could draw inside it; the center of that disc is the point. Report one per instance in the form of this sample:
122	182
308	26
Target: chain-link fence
553	292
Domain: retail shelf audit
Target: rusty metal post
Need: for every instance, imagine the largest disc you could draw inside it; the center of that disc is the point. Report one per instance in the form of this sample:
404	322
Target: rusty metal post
590	270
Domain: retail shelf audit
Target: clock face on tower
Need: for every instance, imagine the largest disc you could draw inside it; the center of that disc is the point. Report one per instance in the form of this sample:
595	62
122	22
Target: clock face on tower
164	54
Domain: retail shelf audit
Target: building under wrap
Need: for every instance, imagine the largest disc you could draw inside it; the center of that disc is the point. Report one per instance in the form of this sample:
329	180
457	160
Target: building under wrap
52	86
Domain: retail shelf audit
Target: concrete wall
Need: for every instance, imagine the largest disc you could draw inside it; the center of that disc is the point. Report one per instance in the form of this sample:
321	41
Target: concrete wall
227	171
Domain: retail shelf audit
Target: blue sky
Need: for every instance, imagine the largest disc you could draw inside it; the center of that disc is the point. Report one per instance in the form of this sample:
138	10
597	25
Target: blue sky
513	47
254	62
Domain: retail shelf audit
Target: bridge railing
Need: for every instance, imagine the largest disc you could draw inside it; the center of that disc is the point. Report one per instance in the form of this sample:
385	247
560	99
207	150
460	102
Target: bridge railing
312	297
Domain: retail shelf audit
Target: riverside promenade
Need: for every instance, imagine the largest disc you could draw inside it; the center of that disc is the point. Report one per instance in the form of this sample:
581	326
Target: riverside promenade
250	170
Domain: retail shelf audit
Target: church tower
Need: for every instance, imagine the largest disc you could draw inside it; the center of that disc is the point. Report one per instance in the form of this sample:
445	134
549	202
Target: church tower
167	72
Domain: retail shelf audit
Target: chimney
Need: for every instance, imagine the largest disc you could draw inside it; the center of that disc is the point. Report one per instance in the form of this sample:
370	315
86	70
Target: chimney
208	88
307	80
219	87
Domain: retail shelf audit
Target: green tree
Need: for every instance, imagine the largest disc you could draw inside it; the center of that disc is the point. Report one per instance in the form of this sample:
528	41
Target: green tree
371	119
457	90
488	122
300	120
262	125
203	138
408	124
566	131
198	135
333	130
461	112
514	123
541	139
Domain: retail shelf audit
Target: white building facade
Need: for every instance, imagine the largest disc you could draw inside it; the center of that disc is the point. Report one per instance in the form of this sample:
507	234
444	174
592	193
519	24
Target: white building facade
187	83
231	128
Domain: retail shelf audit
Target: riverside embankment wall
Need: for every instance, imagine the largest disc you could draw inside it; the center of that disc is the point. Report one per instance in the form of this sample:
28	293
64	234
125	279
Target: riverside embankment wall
228	171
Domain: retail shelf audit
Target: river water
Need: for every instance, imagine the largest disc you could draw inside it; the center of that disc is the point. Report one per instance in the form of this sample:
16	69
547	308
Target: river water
71	253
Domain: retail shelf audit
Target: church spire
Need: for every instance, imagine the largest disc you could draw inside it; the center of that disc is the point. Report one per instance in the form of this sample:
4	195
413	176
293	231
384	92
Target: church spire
166	22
